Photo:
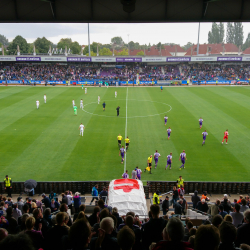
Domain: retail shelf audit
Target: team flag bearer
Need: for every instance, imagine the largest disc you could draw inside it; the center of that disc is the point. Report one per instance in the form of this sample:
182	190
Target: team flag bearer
183	158
99	99
44	98
85	90
200	122
73	103
225	136
81	127
115	94
121	153
204	136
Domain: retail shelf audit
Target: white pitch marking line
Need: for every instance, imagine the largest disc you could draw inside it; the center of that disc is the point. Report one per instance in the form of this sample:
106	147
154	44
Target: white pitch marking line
126	130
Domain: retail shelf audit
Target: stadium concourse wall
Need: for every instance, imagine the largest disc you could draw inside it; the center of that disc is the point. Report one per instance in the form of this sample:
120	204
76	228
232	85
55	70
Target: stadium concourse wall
163	186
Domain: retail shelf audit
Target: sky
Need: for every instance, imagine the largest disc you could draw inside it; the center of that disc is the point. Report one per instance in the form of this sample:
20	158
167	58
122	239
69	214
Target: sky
179	33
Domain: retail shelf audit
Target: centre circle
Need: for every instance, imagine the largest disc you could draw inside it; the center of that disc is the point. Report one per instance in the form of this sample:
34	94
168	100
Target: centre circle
136	116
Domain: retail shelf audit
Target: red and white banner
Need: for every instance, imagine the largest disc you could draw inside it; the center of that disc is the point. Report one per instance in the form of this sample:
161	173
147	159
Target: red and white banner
128	196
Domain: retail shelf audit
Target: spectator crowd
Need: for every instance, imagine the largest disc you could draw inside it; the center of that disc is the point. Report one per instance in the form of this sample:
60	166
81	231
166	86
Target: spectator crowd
47	224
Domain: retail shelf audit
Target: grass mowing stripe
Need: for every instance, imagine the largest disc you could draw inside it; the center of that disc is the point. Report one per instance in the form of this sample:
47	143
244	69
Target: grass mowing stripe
126	132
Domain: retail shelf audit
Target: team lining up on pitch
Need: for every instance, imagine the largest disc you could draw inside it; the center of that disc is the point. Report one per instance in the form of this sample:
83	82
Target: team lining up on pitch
136	173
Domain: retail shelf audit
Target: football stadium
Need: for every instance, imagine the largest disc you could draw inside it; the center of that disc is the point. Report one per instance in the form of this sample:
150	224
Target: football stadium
120	144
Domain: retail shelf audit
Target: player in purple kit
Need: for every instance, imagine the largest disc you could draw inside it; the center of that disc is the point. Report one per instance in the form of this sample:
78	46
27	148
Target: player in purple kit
165	120
200	122
138	171
204	137
156	157
169	161
122	152
169	132
125	175
183	158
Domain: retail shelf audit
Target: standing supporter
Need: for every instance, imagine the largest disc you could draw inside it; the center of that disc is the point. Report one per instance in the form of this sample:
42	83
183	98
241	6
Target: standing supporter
45	200
237	216
214	209
243	231
175	196
181	191
207	237
94	193
195	199
165	205
226	206
103	194
244	206
172	236
153	228
240	199
178	207
102	206
183	204
202	206
77	201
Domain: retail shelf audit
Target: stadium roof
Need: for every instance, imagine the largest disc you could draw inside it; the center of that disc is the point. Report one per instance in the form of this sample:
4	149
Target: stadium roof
113	11
212	49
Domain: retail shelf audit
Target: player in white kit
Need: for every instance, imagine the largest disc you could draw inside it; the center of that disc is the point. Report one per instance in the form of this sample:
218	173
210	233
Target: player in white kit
81	127
45	98
81	104
73	103
115	94
85	90
37	104
99	99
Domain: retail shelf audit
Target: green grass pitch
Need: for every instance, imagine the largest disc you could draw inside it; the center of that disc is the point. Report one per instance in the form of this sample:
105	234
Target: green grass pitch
45	144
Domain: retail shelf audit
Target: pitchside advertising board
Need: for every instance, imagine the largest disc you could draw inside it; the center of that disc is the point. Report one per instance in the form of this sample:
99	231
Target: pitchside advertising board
173	59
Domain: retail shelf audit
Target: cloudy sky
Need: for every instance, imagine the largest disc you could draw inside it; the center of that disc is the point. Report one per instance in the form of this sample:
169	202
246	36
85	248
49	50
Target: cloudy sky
179	33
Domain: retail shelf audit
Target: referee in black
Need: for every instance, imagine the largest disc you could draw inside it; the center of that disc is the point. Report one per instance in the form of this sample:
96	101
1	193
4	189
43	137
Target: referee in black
118	110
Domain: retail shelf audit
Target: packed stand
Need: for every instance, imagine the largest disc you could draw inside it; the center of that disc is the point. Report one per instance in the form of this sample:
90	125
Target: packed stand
76	72
209	72
46	224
